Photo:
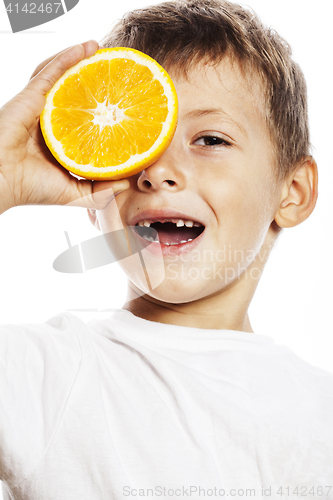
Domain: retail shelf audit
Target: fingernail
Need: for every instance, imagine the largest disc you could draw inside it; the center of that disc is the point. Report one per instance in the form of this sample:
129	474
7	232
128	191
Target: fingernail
76	46
92	40
88	46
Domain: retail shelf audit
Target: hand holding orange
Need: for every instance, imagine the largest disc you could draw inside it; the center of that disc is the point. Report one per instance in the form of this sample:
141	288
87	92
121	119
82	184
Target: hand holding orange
110	116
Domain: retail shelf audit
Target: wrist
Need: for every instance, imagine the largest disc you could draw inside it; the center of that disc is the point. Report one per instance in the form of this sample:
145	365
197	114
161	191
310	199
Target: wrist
5	200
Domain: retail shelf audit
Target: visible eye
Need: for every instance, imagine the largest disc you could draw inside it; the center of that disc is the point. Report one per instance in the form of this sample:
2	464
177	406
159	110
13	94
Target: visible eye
211	140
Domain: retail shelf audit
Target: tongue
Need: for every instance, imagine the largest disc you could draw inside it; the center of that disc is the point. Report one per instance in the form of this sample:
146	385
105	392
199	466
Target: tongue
169	233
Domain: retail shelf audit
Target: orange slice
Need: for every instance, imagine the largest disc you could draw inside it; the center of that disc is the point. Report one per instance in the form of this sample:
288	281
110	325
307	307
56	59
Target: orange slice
110	116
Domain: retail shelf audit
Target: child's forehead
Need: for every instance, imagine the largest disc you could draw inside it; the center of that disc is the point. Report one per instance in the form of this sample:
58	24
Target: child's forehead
226	75
226	82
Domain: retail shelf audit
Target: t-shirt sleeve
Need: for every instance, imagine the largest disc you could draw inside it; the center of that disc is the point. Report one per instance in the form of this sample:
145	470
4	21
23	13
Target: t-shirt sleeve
38	367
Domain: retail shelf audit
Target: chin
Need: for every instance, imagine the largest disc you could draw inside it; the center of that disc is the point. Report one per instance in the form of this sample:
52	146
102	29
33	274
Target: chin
174	293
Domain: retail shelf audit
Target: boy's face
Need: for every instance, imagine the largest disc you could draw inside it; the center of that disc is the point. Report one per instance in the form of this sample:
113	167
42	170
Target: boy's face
219	171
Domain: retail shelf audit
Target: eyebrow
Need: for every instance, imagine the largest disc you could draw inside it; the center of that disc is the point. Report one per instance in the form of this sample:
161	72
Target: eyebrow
198	113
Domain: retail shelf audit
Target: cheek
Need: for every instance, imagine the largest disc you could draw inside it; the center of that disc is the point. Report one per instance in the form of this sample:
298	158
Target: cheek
145	271
110	218
242	213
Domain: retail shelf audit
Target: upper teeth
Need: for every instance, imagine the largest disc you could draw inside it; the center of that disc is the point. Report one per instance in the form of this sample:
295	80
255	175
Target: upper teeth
178	222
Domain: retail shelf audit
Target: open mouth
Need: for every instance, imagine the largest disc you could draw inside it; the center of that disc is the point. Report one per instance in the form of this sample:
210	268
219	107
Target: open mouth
170	232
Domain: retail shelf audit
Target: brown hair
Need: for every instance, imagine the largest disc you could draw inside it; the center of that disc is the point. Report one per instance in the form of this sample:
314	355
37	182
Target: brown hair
180	33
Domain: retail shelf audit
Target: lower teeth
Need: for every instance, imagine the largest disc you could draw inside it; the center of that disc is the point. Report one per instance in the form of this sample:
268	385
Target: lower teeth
183	241
152	240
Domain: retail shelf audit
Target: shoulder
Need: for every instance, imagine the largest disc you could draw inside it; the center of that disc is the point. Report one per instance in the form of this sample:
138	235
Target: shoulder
30	351
58	332
310	383
305	368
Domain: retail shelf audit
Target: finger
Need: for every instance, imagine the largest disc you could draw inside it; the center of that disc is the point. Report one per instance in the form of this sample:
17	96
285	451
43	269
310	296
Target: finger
86	45
100	193
45	63
105	191
48	76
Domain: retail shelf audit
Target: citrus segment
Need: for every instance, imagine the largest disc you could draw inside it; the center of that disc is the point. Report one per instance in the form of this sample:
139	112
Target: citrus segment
65	120
111	115
95	77
74	95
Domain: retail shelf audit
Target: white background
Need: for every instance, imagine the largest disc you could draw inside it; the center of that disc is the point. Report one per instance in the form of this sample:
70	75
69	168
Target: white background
293	302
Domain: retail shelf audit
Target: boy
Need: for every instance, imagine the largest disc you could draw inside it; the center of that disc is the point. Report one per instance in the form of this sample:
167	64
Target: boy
174	394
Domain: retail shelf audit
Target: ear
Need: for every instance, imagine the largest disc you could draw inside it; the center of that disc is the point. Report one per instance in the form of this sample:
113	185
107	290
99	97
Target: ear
92	214
299	194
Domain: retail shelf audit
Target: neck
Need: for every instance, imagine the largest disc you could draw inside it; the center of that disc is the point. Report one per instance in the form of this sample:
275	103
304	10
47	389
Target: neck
221	311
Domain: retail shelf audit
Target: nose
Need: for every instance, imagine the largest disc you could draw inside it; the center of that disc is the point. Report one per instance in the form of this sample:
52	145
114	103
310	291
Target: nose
165	174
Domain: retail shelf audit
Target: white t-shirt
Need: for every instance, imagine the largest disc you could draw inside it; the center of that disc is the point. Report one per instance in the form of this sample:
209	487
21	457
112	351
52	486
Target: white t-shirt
124	408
